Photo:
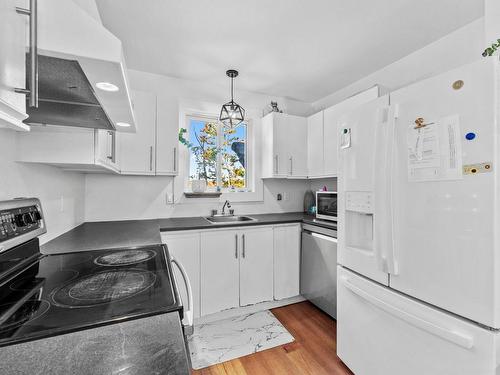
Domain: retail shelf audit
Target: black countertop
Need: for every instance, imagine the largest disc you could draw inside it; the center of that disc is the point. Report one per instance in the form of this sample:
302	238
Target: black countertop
105	235
134	233
153	345
190	223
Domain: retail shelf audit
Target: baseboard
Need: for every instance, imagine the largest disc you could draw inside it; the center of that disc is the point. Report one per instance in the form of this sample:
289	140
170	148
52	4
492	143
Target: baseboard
237	311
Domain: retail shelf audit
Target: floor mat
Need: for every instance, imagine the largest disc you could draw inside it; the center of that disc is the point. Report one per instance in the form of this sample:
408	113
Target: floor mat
235	337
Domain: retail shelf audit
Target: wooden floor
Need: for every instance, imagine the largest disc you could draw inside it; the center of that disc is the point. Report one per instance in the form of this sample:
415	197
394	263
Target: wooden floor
312	352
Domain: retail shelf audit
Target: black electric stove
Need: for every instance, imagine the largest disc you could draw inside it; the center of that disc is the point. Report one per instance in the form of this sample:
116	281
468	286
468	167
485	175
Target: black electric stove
42	296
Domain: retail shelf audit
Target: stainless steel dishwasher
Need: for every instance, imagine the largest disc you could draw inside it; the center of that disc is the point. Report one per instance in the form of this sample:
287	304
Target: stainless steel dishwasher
318	272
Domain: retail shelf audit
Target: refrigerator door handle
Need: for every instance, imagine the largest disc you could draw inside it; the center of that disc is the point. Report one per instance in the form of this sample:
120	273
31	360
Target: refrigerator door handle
381	208
454	337
391	259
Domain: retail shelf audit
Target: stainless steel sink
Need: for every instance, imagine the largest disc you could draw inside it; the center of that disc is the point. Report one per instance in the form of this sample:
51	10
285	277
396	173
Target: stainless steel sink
229	219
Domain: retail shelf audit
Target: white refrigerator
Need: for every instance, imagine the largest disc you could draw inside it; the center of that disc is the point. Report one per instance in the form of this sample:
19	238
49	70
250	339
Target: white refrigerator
419	228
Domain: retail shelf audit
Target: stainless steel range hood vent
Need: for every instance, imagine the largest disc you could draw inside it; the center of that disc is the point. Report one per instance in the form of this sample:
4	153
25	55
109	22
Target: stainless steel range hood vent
66	96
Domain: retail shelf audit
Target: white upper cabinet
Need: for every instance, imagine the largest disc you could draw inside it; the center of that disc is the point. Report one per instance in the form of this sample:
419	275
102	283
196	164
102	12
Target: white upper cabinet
330	141
322	128
315	144
284	146
13	27
75	149
152	150
167	136
137	150
106	149
295	137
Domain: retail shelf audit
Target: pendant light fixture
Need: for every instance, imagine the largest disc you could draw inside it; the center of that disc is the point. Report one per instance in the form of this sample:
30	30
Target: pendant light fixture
231	113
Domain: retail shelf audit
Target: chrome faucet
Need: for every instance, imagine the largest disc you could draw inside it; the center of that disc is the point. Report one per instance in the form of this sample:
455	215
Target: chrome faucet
226	203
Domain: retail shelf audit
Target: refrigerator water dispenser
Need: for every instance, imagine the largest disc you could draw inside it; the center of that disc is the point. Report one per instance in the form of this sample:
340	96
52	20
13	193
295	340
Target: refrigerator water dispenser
359	220
359	230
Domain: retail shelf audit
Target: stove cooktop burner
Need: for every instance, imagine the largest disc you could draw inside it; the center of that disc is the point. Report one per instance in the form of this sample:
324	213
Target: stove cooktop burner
30	310
103	287
125	258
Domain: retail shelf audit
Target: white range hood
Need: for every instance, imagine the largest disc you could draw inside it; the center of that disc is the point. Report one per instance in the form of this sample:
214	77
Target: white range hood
70	41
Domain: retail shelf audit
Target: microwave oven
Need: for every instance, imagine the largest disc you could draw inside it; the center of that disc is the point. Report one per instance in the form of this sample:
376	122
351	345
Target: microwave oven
326	205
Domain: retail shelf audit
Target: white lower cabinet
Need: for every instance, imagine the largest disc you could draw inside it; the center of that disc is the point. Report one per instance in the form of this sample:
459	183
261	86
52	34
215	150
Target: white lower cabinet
286	261
237	266
219	271
185	248
256	266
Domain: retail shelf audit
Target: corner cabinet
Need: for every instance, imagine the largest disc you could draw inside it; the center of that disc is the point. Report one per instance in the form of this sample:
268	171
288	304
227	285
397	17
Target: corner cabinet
284	146
12	65
315	137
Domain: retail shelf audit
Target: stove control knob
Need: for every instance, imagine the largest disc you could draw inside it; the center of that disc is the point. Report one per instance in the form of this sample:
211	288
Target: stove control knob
19	220
37	216
28	218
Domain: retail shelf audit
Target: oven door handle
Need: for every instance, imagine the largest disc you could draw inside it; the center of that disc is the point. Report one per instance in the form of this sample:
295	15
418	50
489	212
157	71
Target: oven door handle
188	314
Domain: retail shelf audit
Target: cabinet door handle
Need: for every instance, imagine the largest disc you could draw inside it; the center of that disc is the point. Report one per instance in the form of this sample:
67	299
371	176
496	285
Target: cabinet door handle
150	158
236	246
291	165
32	91
111	155
175	159
276	168
113	146
243	245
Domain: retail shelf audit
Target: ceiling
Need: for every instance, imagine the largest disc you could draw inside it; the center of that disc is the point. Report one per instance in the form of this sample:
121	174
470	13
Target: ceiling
299	49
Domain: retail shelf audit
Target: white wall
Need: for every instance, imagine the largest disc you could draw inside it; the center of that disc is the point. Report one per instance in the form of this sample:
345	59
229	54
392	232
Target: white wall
453	50
492	21
44	182
111	197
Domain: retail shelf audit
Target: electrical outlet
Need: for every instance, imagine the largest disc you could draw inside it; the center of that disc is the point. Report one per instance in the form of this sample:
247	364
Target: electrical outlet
286	196
170	198
279	197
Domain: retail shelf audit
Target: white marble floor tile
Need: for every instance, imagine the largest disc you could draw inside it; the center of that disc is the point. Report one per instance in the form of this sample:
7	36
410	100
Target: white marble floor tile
236	337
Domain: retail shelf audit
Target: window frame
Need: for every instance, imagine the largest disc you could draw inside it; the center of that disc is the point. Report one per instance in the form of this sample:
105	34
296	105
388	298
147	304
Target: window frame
249	170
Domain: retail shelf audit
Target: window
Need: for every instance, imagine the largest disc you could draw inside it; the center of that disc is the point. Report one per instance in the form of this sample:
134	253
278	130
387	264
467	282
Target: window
217	154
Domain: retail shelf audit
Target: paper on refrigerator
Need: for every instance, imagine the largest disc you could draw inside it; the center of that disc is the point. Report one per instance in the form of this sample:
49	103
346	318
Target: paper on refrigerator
435	151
